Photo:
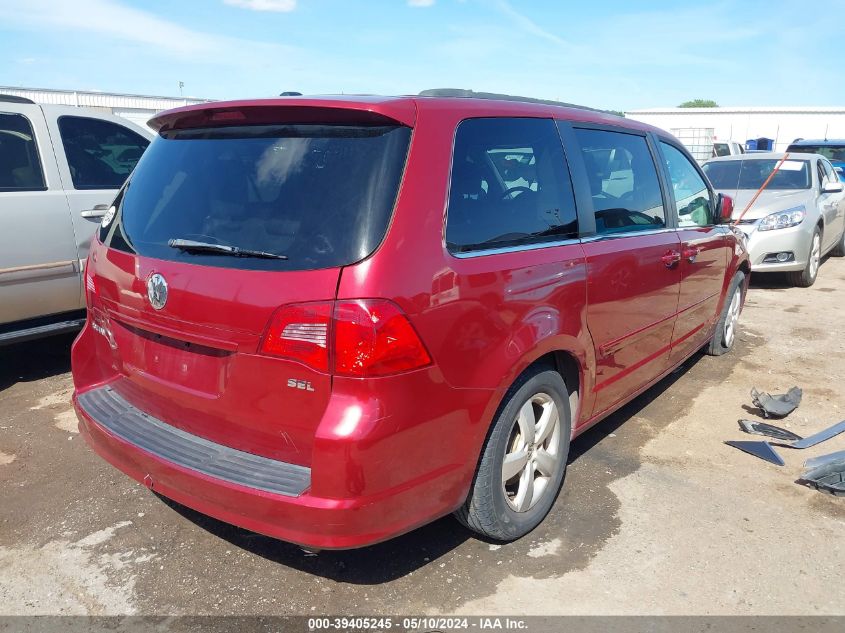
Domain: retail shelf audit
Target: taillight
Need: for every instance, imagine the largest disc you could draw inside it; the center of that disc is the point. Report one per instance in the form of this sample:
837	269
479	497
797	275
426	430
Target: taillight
300	332
360	338
374	338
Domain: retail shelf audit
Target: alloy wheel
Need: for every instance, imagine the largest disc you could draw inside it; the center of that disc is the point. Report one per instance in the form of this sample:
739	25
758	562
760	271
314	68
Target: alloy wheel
532	457
732	317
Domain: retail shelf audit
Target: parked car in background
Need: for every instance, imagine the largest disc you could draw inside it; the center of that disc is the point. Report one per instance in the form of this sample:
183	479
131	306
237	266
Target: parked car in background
60	168
798	217
833	150
727	148
306	320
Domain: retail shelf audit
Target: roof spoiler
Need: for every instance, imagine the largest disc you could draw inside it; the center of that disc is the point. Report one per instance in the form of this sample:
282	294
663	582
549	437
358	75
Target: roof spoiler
285	110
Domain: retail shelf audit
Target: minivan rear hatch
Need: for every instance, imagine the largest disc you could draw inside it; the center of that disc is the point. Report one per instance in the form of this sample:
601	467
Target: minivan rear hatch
231	214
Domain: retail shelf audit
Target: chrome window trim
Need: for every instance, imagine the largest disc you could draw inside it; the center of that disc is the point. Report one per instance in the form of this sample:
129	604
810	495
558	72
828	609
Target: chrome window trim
513	249
598	237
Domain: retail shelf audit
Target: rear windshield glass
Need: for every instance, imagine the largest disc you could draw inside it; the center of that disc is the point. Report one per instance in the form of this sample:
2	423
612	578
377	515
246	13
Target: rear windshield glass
830	152
752	173
321	195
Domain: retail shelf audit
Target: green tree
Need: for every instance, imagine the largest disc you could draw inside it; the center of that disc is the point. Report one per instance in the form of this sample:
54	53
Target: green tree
699	103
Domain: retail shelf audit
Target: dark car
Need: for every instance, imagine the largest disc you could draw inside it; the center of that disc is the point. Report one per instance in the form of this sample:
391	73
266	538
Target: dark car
831	149
332	320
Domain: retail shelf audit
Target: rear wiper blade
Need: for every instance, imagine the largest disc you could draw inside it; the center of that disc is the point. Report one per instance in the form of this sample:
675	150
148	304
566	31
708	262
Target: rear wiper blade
191	246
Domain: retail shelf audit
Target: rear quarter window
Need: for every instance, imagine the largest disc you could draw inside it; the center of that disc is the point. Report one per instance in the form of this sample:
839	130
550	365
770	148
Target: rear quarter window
509	187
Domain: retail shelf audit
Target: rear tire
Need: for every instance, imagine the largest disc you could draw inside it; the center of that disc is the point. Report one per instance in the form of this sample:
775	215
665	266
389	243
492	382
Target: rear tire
726	327
807	277
523	461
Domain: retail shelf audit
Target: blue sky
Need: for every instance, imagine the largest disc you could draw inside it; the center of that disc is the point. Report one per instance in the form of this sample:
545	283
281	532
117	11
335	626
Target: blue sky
609	54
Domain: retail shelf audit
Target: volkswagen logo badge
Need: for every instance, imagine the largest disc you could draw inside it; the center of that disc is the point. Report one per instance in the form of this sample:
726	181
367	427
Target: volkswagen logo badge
157	291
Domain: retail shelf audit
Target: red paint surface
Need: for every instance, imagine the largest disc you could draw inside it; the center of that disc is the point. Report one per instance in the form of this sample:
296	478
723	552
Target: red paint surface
389	453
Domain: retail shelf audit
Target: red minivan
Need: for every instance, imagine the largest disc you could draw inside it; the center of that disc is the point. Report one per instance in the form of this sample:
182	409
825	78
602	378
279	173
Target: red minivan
332	320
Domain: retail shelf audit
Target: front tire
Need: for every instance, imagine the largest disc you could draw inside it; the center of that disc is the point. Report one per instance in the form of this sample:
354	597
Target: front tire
839	249
807	277
726	327
524	458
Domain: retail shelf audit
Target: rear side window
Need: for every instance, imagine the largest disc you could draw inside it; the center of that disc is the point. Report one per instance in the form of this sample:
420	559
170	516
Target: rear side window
510	185
20	167
321	195
623	181
692	197
100	154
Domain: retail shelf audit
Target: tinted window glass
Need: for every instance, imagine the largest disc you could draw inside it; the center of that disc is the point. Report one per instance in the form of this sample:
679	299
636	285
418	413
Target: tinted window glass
321	195
830	175
721	149
623	181
20	168
100	154
692	198
510	185
830	152
751	173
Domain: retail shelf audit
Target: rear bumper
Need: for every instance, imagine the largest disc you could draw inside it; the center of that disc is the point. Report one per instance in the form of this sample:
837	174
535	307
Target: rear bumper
286	508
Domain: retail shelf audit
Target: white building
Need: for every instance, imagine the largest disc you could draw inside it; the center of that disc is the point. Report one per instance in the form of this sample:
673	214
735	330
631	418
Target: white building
136	108
697	128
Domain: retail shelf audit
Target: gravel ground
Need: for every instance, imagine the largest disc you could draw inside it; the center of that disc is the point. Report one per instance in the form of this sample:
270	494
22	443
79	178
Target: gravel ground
658	516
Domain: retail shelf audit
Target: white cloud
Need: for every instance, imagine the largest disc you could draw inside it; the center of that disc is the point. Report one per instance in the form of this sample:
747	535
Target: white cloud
123	25
420	3
530	26
283	6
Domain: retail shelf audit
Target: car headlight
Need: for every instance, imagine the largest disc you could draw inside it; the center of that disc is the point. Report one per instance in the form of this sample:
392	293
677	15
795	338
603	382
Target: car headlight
783	219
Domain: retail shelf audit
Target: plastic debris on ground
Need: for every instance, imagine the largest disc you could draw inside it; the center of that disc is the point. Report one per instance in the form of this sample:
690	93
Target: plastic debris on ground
763	450
778	405
829	477
768	430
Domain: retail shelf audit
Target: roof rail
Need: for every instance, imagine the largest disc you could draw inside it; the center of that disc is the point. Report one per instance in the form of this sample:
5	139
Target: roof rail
14	99
471	94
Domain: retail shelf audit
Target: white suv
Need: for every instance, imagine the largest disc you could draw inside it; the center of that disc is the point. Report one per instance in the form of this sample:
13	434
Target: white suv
60	169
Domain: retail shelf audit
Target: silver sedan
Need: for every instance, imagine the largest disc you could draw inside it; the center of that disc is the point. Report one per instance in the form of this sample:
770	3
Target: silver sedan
798	217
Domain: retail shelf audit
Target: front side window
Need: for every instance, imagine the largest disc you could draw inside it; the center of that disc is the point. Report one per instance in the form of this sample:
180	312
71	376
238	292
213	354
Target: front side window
20	167
509	186
623	181
821	174
830	174
100	154
692	197
751	173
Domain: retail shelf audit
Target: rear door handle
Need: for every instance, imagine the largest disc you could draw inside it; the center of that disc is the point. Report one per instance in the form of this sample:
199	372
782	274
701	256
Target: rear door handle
671	258
98	211
690	253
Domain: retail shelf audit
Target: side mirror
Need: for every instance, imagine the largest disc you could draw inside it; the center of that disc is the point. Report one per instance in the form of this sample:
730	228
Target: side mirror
832	187
724	209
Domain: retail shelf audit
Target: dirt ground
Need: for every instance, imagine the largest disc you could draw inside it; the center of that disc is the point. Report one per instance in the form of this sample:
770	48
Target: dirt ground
658	516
